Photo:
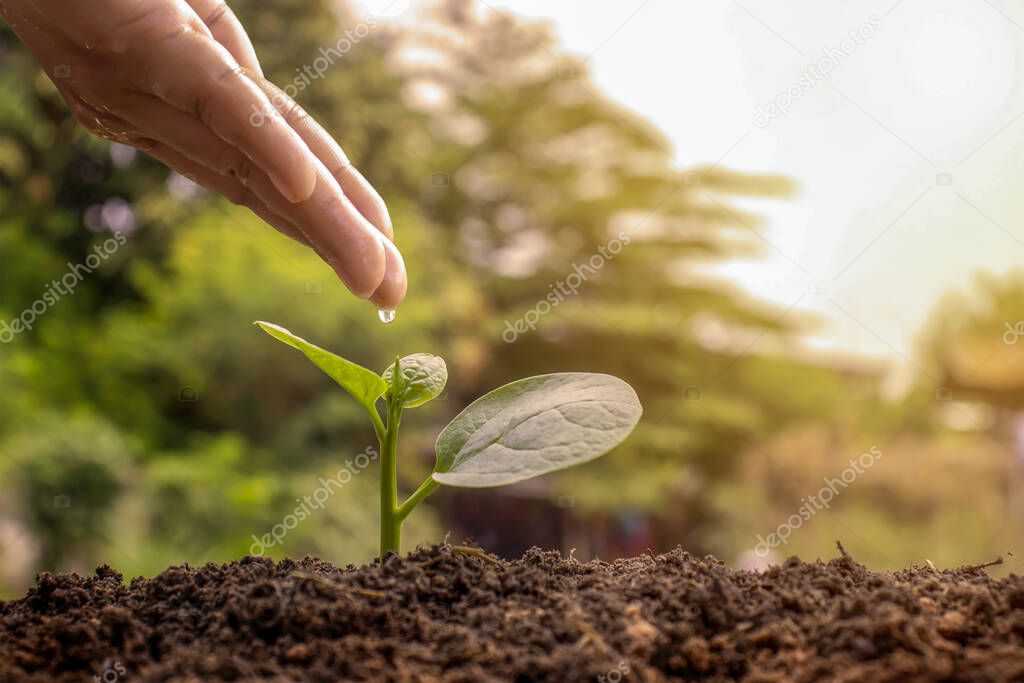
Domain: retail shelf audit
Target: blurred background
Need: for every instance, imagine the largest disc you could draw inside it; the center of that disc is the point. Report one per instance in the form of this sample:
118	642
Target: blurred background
794	230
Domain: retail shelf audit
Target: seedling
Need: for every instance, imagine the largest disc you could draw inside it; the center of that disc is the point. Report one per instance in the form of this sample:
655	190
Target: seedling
522	430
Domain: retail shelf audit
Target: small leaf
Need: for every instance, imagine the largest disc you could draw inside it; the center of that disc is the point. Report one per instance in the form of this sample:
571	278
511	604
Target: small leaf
425	377
534	426
364	385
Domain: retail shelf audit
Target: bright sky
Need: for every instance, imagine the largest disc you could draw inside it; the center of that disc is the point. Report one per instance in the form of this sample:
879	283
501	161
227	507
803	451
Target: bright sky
909	154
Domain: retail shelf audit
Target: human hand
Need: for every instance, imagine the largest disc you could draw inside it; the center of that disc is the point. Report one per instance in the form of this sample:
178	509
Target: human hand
179	79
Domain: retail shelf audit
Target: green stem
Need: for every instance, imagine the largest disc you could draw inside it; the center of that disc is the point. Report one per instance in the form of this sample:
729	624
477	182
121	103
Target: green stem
390	522
425	489
378	424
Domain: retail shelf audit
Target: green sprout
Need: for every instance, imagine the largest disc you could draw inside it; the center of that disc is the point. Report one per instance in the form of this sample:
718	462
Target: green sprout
522	430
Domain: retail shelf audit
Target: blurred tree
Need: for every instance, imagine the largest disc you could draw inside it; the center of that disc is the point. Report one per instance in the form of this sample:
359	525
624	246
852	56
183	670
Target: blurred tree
585	231
511	181
970	343
947	498
65	476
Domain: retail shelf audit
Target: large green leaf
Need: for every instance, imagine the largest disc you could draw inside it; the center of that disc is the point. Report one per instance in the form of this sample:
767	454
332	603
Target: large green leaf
534	426
425	376
364	385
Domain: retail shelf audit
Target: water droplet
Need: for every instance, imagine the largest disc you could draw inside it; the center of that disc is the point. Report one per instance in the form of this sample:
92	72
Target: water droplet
386	315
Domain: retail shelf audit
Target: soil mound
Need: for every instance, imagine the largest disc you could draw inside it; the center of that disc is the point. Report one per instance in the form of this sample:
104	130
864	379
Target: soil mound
456	614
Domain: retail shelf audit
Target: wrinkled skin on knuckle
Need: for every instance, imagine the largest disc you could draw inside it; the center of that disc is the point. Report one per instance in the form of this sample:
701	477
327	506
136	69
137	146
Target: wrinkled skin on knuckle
232	162
293	113
101	123
144	64
243	170
330	203
231	72
157	24
338	170
219	13
202	95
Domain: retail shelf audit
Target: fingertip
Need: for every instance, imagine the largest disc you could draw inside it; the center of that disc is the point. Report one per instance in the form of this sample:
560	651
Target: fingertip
291	165
368	200
298	185
386	227
362	266
392	289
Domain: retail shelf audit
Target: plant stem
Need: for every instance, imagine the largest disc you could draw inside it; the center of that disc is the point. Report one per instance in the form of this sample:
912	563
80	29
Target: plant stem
378	424
390	522
425	489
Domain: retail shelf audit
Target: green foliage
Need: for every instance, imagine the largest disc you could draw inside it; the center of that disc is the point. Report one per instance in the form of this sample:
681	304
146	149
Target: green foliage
205	486
65	472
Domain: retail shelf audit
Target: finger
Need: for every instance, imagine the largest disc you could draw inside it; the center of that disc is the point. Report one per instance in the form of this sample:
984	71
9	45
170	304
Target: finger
228	31
229	188
392	290
330	222
195	74
324	146
346	240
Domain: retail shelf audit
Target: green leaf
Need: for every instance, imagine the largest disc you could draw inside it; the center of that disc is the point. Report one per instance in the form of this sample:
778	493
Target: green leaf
364	385
425	377
534	426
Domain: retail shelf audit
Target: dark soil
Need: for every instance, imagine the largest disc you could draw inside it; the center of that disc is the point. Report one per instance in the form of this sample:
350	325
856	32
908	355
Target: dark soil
456	614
